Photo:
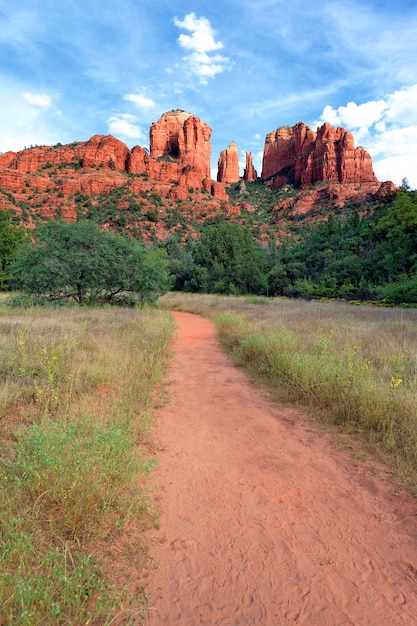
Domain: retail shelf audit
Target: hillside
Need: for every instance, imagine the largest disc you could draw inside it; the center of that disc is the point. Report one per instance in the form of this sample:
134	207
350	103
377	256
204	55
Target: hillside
305	176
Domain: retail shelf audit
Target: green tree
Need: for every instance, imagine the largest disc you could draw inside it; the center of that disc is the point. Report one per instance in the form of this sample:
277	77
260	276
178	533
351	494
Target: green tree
227	261
11	239
81	262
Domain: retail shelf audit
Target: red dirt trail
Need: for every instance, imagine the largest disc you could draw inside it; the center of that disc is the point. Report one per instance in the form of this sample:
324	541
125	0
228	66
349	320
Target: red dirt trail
264	521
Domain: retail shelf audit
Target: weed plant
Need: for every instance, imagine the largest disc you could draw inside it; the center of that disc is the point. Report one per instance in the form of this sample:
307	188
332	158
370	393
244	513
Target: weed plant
354	366
76	391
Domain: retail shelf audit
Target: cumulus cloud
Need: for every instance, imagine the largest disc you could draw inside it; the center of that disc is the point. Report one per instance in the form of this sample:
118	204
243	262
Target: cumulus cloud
201	43
37	99
402	106
124	124
387	129
141	102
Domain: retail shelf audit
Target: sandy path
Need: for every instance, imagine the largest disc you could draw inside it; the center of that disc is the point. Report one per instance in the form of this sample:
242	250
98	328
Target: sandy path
263	520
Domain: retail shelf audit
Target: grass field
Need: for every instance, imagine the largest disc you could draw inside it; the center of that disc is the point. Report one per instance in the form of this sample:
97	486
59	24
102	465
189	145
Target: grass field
77	389
353	366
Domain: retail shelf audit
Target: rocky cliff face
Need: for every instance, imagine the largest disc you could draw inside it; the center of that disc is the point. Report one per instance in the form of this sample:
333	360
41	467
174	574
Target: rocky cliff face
228	165
299	156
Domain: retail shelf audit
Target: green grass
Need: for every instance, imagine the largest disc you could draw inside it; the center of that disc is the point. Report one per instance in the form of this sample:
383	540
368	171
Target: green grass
76	396
355	367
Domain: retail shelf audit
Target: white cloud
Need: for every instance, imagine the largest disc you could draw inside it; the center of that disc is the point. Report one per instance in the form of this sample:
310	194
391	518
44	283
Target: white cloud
141	101
202	37
396	168
124	124
38	99
402	106
355	116
201	43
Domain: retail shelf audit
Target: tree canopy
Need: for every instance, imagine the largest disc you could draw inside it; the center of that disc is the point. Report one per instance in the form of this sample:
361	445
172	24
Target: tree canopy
11	238
227	261
80	261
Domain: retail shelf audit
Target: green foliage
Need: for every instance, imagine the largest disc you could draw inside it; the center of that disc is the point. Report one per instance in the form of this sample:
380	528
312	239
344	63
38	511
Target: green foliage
78	468
353	257
227	261
11	239
81	262
58	590
166	158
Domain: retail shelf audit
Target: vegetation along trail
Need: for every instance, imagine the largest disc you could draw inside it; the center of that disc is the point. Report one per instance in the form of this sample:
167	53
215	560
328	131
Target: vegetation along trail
263	519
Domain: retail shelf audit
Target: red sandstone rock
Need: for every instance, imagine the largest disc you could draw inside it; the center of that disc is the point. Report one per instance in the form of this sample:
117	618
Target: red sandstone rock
6	158
104	151
99	151
385	189
333	195
34	159
218	190
184	137
298	156
136	162
286	153
11	180
250	174
46	178
228	165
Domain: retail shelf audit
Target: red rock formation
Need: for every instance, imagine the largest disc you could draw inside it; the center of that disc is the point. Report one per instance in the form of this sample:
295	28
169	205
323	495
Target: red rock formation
298	156
137	160
386	188
286	153
330	195
228	165
6	158
104	151
34	159
218	190
183	137
99	151
180	137
46	180
250	174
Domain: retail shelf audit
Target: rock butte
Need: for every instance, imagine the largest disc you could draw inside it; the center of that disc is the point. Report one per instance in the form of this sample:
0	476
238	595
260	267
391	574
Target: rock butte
301	157
179	161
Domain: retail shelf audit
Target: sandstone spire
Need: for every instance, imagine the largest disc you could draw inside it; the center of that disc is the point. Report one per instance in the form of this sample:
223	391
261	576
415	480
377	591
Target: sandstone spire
228	165
250	174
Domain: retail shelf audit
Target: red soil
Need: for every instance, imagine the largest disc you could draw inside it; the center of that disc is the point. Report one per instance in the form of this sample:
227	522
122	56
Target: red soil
263	520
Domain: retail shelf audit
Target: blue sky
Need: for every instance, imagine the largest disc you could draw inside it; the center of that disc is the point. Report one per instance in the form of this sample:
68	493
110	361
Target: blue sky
75	68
